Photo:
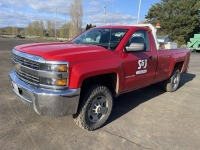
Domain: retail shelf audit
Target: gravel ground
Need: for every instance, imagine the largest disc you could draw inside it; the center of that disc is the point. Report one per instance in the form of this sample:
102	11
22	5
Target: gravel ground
145	119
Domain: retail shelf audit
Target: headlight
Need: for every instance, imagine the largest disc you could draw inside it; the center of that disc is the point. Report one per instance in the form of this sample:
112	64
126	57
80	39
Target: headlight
53	67
59	70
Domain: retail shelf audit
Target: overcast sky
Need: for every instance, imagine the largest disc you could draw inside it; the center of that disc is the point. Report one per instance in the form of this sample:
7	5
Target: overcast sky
21	12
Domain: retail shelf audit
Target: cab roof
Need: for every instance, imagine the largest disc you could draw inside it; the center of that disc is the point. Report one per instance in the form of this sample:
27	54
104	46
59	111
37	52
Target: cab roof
121	27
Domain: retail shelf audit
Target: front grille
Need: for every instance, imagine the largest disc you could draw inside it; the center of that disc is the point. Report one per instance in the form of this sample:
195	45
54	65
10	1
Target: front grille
28	78
26	62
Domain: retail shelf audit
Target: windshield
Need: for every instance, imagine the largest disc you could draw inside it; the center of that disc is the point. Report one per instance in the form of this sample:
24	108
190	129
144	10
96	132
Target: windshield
105	37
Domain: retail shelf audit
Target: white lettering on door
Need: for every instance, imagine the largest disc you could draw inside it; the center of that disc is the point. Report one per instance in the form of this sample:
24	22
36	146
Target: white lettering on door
142	65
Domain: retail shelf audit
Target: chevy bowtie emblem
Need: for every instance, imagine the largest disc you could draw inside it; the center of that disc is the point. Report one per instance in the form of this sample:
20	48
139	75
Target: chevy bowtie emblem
17	66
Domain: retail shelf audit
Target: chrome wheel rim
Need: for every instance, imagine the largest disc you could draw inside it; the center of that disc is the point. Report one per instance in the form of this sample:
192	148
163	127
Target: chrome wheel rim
98	109
175	80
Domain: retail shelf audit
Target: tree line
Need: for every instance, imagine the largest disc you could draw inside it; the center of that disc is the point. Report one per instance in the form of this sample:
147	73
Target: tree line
43	29
180	19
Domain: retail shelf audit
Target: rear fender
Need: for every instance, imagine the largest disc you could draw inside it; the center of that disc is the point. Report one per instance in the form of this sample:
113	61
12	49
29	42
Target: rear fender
177	61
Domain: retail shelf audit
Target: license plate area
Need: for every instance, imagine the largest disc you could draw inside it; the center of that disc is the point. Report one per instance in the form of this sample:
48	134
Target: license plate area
23	93
15	87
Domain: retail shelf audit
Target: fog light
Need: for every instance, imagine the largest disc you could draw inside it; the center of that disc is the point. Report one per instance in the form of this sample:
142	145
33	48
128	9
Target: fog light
61	82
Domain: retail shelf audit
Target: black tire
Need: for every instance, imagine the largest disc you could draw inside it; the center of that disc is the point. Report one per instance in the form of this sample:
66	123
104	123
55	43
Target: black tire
172	83
95	108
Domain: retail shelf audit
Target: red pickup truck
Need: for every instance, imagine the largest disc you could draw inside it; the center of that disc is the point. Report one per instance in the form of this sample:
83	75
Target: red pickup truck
80	78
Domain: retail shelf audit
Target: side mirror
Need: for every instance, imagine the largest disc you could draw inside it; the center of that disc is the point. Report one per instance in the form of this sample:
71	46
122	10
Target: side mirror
134	47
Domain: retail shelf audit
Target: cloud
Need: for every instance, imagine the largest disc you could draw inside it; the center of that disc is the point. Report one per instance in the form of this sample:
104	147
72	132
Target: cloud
93	7
49	6
14	4
15	13
12	19
115	18
21	19
95	4
96	14
21	14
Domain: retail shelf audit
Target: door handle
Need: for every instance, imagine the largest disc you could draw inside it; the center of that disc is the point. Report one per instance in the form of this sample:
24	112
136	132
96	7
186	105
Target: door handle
151	57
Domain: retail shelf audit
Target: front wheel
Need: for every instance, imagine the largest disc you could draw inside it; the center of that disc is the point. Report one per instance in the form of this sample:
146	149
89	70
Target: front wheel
95	108
172	83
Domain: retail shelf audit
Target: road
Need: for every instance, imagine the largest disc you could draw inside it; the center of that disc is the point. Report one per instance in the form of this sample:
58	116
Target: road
146	119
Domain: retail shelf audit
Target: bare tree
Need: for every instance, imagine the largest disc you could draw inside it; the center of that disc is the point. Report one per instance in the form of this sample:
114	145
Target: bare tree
15	30
50	27
64	30
8	30
41	28
35	28
76	14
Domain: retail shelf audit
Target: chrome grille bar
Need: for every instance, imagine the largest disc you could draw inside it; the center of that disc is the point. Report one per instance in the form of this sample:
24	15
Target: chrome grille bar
26	79
28	76
26	62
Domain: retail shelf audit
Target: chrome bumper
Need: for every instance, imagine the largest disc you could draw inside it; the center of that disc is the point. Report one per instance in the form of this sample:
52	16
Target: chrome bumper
46	101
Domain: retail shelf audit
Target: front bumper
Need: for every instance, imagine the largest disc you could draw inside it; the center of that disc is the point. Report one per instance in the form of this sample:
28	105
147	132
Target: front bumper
46	101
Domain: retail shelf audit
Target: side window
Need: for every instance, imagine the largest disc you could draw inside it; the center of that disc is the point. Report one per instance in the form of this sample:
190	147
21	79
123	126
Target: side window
140	36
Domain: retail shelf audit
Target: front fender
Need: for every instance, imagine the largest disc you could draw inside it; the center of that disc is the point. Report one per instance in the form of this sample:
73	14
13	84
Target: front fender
83	70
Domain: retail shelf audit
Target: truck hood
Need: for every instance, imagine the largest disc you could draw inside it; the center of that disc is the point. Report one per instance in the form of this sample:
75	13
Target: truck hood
63	51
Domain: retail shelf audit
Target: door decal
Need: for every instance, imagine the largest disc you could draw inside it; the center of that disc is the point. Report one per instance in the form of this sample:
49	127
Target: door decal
142	65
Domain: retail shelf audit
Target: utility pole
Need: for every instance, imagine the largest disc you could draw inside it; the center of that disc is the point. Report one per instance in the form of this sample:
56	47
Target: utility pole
139	11
65	26
56	25
104	14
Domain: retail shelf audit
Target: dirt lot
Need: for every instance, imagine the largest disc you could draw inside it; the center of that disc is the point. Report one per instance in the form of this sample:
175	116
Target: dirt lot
145	119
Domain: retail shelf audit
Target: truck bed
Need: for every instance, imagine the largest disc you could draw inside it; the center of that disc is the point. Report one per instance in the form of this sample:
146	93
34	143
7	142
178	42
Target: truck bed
167	59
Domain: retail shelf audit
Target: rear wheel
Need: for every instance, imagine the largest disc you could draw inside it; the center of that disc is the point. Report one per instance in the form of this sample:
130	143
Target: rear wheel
95	108
172	83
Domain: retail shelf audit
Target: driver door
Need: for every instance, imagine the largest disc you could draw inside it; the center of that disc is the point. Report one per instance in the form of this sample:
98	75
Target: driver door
139	66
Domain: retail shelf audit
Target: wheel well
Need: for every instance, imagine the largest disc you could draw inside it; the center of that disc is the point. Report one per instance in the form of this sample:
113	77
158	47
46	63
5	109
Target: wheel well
108	80
179	65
